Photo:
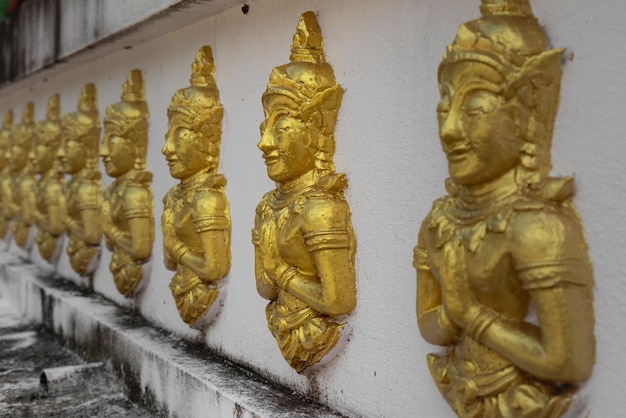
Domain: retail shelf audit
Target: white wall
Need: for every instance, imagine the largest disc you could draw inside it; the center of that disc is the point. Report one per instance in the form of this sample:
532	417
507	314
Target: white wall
385	54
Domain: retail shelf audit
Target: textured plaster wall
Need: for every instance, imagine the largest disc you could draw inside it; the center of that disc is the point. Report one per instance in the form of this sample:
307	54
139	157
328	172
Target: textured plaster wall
385	54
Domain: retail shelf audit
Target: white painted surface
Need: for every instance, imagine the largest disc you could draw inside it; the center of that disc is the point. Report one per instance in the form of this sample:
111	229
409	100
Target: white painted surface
385	54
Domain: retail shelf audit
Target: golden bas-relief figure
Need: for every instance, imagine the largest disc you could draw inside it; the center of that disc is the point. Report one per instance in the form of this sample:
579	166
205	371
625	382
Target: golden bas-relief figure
504	278
303	237
6	193
80	136
49	188
196	218
128	207
23	189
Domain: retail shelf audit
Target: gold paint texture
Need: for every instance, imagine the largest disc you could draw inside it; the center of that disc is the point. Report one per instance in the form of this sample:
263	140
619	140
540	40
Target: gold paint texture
303	236
49	188
128	206
196	221
6	195
504	277
23	186
80	137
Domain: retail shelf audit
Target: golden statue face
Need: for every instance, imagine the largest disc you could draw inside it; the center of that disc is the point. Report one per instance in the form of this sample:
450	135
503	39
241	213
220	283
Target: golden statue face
286	145
182	149
117	154
476	125
40	158
18	158
72	156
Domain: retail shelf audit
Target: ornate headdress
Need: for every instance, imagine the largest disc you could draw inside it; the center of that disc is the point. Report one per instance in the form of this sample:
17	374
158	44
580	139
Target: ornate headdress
307	87
199	104
509	39
7	127
28	115
7	122
23	136
83	125
49	130
130	116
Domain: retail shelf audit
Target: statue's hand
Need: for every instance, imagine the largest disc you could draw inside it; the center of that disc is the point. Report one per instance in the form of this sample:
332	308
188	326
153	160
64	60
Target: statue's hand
287	275
459	302
178	250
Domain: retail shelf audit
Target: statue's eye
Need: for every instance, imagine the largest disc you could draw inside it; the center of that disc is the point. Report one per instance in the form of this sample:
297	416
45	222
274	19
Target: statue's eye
480	103
444	105
284	124
183	135
262	127
477	111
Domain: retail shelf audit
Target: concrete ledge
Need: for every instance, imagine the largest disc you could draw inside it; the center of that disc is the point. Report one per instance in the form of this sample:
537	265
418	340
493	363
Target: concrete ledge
166	375
45	33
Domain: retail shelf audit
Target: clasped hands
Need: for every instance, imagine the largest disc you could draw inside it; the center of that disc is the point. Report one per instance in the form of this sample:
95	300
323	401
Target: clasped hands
459	300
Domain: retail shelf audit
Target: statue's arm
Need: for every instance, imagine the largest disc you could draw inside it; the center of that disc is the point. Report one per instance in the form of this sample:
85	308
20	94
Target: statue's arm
88	197
211	223
550	254
329	238
53	199
265	286
138	211
169	236
13	205
433	322
7	199
28	207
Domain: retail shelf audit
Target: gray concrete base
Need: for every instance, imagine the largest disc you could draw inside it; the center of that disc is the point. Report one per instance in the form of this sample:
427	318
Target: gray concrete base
166	375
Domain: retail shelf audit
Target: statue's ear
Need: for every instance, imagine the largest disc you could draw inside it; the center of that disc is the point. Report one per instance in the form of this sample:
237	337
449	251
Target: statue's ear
212	124
538	72
327	101
544	67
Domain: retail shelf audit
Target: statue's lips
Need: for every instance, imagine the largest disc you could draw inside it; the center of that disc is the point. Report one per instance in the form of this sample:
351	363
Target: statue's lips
270	159
457	153
171	162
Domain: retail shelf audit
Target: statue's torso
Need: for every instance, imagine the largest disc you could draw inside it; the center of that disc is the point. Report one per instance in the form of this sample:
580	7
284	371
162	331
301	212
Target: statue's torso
49	188
83	191
178	213
489	243
113	206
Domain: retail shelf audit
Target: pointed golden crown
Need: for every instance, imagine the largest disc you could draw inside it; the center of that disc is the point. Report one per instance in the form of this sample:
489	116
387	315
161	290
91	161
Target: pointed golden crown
28	115
506	7
133	107
88	99
53	110
8	119
129	117
200	102
49	130
86	118
504	37
83	125
307	73
133	90
23	136
5	132
307	87
308	43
